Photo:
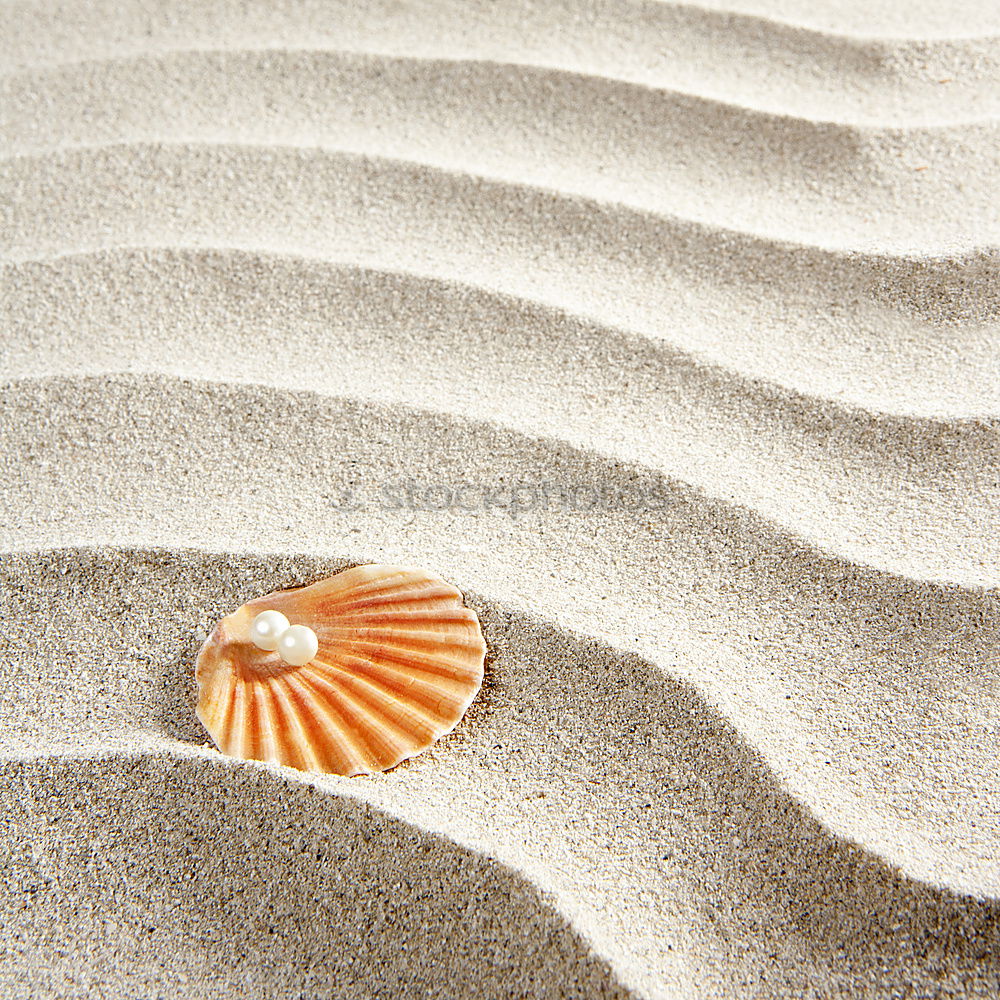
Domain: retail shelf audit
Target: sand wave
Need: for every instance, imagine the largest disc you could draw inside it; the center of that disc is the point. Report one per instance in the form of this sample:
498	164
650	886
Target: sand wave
279	91
110	310
341	885
872	495
770	194
537	242
658	837
786	68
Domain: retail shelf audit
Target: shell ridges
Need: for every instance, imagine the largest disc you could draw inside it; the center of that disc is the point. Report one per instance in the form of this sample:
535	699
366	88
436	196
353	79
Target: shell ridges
400	659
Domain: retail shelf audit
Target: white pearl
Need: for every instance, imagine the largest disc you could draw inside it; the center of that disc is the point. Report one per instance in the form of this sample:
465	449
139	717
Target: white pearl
298	645
267	628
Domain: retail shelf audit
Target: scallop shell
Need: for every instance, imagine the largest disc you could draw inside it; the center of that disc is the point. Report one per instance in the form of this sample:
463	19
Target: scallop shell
400	660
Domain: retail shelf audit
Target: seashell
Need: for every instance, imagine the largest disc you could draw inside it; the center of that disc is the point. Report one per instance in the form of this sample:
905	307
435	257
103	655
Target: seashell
398	661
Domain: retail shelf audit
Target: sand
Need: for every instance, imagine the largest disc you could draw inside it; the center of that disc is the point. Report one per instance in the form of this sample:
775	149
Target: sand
667	333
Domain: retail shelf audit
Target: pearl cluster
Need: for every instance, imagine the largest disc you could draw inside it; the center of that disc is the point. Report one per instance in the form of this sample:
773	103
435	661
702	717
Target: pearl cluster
295	644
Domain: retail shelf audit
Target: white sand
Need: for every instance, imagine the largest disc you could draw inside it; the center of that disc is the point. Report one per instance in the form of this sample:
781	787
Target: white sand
258	258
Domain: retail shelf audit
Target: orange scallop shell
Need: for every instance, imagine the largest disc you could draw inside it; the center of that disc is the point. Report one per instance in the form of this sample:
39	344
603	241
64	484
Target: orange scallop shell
400	660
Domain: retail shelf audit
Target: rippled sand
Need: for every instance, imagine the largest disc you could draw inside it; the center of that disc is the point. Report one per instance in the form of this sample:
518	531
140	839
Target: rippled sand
668	333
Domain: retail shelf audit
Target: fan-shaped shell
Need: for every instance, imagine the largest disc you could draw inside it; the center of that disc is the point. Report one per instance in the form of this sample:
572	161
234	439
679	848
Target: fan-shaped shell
400	660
